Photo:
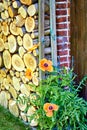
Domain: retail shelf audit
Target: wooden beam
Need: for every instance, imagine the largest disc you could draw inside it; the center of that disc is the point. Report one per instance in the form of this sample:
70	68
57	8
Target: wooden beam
53	32
41	33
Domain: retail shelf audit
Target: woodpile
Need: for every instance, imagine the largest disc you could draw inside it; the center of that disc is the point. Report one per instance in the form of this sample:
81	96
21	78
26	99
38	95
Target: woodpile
19	51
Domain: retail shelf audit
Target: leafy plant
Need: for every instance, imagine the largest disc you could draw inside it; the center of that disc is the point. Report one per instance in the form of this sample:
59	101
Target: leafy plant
57	102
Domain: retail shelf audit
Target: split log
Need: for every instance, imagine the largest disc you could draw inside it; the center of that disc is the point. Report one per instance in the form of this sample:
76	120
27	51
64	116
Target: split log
6	46
13	108
4	15
23	116
19	40
1	45
22	11
7	59
5	28
28	2
14	29
24	90
16	83
16	4
24	79
19	21
35	80
12	43
0	61
11	73
6	83
30	61
1	7
17	62
21	51
12	12
17	74
3	99
13	92
27	41
22	104
3	73
29	24
30	112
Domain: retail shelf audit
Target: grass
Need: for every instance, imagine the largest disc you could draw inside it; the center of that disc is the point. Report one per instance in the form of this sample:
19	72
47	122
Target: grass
9	122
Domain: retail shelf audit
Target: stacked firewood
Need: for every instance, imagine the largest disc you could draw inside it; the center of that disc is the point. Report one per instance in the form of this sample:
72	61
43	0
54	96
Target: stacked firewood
18	36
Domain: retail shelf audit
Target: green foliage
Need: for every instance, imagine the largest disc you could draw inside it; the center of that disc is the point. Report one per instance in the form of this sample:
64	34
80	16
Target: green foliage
9	122
59	88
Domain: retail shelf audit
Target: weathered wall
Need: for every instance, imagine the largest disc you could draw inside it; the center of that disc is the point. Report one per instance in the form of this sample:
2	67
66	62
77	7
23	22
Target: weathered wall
63	31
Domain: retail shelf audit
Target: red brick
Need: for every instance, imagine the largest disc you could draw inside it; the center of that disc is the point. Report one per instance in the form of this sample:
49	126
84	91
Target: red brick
65	64
62	39
61	33
61	6
63	59
65	46
62	52
61	26
61	19
61	12
61	0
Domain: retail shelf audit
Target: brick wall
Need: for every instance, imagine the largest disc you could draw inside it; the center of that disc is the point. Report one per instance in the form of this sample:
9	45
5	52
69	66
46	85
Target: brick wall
63	32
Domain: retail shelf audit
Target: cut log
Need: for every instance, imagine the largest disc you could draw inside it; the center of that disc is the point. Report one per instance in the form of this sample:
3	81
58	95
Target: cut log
5	28
6	45
33	9
14	29
11	73
30	112
1	61
1	45
1	7
19	21
29	24
12	43
16	4
12	12
13	108
3	99
30	61
35	34
17	74
35	80
13	92
24	90
28	2
23	116
21	51
27	41
16	83
6	83
3	73
17	62
7	59
19	40
4	15
22	11
24	79
22	104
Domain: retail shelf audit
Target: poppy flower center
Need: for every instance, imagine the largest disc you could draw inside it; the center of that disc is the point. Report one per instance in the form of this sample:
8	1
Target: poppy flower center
46	65
50	108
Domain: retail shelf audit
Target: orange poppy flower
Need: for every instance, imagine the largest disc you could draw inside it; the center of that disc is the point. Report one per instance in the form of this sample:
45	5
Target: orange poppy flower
49	108
29	74
34	47
46	65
